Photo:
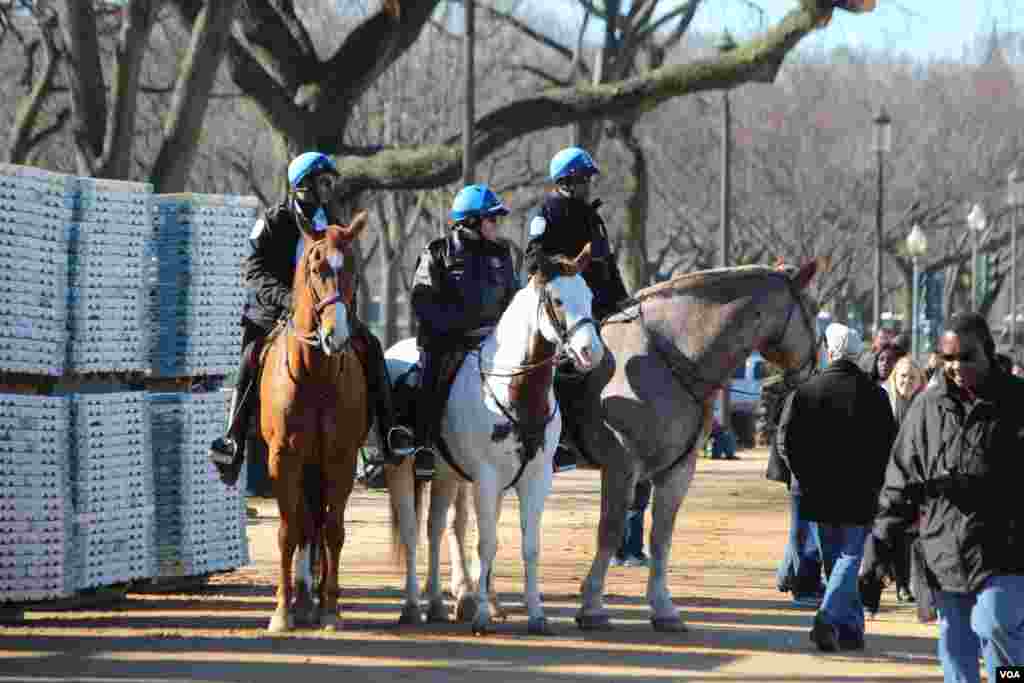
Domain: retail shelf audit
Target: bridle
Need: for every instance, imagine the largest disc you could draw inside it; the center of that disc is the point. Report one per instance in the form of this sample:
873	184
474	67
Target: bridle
313	338
565	334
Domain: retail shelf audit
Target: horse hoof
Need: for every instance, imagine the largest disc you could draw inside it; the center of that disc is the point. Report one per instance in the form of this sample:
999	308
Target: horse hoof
481	628
466	609
411	615
497	612
669	625
539	626
281	622
437	613
330	622
594	622
305	612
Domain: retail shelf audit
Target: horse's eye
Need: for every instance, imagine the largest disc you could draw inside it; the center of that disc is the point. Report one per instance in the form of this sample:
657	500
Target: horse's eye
558	302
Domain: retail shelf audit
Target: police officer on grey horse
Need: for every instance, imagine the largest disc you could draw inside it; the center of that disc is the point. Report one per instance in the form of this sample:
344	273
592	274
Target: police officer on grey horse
276	246
464	282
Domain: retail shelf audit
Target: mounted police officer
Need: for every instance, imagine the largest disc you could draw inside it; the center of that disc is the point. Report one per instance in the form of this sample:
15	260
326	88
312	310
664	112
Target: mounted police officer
276	246
464	282
568	220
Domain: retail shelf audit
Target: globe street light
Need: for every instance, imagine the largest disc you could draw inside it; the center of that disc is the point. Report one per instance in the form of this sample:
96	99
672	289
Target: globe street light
883	142
1014	197
917	246
977	222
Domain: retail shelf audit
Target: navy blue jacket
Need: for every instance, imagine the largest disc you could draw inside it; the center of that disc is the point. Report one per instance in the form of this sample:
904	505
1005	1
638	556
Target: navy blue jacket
563	228
462	282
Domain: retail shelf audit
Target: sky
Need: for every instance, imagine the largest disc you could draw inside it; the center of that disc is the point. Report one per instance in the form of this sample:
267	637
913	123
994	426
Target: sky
925	29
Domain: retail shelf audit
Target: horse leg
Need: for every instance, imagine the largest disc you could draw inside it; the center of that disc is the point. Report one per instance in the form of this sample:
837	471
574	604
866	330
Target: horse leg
497	611
289	535
617	490
669	492
486	494
442	493
334	540
405	528
303	607
532	494
460	583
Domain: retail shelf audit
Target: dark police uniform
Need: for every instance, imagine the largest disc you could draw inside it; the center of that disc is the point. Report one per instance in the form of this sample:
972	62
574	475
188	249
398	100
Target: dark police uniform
462	282
563	227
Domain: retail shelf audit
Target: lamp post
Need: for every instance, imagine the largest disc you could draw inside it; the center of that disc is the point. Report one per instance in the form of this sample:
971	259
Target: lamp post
1015	197
917	246
883	142
725	45
976	222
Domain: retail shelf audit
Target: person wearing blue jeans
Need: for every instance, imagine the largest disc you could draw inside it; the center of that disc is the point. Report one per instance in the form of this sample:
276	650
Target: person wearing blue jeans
631	553
836	433
800	570
842	547
956	470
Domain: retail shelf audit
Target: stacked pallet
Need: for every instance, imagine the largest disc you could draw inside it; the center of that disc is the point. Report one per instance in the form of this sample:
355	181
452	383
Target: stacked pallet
200	522
34	215
196	293
36	517
113	488
107	314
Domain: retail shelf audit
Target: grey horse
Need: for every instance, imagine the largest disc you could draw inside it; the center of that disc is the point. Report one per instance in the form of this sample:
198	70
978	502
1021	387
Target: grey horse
643	412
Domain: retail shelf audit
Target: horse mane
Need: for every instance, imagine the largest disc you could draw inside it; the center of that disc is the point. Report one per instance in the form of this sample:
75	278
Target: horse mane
701	279
554	266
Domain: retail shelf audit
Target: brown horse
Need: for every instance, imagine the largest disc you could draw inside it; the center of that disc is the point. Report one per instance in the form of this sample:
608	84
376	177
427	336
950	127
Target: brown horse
313	417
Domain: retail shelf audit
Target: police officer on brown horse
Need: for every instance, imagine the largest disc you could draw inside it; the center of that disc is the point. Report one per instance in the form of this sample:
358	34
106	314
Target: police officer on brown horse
276	246
464	282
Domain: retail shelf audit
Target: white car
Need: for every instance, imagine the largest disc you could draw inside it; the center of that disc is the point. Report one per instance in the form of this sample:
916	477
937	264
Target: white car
745	387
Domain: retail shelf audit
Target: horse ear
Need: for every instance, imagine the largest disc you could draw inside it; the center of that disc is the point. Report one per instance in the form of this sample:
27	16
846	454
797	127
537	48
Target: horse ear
352	230
583	259
805	274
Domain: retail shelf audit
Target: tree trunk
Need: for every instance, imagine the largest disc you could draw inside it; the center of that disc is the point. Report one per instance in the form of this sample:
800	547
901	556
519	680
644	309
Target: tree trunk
85	80
633	255
22	139
210	35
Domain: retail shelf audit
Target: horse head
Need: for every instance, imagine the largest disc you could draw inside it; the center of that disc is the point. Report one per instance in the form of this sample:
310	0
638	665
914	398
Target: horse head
792	343
566	300
328	277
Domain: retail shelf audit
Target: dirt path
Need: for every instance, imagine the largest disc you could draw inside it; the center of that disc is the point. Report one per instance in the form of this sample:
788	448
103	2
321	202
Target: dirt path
726	546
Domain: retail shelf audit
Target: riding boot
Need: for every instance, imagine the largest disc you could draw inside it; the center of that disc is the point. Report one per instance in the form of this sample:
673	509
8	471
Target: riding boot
396	440
568	446
228	452
429	409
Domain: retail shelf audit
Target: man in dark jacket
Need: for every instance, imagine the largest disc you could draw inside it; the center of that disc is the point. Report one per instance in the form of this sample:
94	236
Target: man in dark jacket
464	281
275	248
959	464
837	433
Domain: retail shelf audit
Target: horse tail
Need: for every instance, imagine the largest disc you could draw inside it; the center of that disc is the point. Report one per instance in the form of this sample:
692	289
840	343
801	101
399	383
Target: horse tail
397	548
312	491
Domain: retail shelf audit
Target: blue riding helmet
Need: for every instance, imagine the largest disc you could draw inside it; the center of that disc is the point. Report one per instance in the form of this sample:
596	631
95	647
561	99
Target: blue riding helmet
307	164
572	161
476	201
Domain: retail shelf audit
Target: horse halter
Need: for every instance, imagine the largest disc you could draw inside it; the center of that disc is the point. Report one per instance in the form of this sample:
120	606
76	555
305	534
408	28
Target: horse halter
797	303
564	333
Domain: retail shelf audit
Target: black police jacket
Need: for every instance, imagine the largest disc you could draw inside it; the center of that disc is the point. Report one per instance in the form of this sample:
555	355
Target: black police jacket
269	268
957	467
462	282
562	228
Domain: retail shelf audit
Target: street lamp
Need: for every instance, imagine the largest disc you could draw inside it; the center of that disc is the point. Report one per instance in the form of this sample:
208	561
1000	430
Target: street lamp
917	246
1014	197
725	45
976	222
883	142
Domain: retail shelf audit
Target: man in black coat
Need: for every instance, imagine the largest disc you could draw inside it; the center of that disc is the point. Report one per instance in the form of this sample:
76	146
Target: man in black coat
958	467
837	433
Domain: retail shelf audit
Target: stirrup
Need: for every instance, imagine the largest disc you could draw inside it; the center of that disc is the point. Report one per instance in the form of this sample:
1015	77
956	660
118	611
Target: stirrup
425	459
566	457
223	451
401	443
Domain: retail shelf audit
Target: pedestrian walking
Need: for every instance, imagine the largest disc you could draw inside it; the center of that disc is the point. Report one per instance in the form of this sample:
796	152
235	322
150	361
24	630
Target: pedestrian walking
836	435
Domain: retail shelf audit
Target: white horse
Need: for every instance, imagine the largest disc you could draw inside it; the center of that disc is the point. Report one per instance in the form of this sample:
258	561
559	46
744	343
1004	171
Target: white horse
501	427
